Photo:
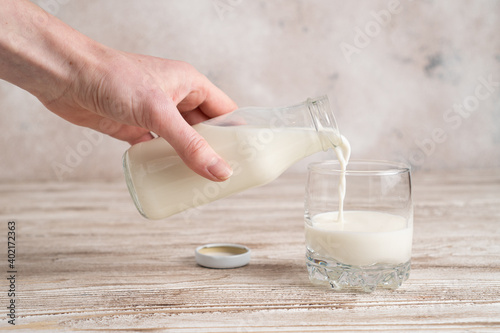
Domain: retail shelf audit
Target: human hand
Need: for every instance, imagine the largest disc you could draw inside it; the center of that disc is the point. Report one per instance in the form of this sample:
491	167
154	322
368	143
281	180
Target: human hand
121	94
128	95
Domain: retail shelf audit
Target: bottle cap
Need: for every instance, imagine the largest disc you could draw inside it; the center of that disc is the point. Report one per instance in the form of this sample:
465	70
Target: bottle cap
221	255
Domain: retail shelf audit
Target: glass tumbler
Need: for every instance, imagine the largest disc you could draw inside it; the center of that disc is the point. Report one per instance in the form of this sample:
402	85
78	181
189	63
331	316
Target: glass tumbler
358	224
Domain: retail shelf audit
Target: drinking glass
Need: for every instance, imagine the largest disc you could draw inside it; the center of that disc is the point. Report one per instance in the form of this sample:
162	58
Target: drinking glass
365	242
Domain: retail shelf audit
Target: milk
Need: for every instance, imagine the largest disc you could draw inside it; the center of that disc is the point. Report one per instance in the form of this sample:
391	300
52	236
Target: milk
343	152
363	238
163	185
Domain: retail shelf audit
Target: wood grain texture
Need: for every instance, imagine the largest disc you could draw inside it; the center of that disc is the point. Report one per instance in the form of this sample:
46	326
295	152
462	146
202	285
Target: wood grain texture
88	262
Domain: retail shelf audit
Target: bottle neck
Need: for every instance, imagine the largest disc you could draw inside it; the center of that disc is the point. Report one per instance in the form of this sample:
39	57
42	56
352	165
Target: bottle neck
324	122
314	114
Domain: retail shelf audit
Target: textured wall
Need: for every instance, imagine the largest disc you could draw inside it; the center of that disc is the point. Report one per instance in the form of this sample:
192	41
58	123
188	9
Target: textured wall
414	80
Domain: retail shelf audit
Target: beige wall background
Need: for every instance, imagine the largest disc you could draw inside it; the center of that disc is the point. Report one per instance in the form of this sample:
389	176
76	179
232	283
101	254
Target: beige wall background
410	80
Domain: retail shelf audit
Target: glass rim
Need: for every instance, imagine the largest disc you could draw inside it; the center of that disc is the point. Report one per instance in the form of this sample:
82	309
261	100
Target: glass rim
369	167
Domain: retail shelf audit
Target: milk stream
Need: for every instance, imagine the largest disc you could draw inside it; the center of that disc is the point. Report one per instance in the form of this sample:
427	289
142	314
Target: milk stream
343	152
164	185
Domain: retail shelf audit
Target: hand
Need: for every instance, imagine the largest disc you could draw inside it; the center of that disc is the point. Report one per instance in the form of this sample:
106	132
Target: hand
121	94
128	95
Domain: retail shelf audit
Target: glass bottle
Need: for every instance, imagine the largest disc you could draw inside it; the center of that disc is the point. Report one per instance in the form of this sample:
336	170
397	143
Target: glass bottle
258	143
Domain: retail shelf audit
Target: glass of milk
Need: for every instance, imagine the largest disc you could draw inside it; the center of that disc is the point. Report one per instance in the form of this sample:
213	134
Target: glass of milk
360	238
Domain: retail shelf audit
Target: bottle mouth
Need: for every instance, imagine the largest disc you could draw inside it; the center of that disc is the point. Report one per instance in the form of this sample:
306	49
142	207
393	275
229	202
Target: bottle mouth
324	122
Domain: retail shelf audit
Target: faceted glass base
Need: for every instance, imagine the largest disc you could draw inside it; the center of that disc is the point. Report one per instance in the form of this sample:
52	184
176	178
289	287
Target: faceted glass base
339	276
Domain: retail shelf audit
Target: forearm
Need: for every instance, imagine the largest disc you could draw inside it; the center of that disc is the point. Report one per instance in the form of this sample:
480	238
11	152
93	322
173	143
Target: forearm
39	53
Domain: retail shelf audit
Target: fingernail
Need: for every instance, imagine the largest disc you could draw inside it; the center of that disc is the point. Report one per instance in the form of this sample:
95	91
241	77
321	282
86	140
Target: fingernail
219	169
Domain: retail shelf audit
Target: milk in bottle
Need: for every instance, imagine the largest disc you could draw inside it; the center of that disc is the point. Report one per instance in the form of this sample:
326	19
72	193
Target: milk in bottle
258	143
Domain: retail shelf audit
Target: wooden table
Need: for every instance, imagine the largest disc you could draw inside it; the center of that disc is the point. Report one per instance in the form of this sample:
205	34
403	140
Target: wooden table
86	261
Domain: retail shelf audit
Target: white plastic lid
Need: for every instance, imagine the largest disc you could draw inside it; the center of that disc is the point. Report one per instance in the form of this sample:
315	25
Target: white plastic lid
222	255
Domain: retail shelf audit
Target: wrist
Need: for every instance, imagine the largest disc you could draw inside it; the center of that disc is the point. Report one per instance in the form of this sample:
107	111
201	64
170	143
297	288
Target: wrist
40	53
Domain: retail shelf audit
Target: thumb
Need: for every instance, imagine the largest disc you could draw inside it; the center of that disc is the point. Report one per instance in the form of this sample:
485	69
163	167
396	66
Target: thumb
191	147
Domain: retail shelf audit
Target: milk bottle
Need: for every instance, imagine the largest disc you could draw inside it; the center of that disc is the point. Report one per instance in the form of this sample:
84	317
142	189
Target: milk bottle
258	143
